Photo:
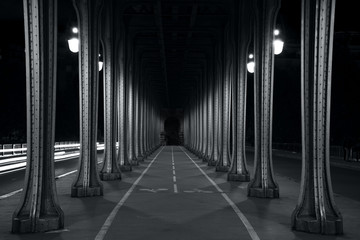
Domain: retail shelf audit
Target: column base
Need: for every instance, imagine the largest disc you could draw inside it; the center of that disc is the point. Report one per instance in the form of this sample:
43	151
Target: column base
235	177
311	225
140	158
205	159
90	191
211	163
134	163
110	176
222	169
49	223
263	193
125	168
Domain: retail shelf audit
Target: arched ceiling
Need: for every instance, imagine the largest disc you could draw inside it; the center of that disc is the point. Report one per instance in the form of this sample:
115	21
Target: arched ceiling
176	40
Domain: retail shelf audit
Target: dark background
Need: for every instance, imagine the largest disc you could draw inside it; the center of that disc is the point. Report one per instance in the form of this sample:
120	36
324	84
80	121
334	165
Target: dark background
345	117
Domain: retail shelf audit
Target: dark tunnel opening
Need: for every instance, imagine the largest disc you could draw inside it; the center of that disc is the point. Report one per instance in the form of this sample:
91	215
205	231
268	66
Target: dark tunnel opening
172	129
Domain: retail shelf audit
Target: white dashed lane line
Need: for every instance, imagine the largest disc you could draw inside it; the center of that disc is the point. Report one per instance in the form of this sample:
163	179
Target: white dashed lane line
173	167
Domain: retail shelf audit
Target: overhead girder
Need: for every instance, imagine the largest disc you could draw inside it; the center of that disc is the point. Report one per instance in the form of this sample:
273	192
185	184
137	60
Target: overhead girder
211	80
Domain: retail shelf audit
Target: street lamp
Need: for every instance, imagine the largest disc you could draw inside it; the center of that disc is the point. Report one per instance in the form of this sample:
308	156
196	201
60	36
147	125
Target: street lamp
74	42
101	63
251	65
278	43
73	45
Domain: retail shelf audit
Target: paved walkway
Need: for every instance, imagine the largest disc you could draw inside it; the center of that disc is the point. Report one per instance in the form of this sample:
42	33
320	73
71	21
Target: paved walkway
334	161
173	195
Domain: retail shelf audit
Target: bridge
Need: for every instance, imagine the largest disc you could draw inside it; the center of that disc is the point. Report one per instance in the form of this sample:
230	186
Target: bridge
176	162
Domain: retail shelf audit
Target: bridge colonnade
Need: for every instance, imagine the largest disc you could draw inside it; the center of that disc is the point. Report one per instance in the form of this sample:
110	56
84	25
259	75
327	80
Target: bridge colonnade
214	118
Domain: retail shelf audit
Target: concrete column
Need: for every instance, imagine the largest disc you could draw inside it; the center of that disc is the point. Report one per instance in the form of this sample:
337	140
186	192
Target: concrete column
136	133
141	121
123	159
147	126
223	163
87	181
130	106
204	114
110	169
209	119
216	127
316	211
243	23
263	184
39	210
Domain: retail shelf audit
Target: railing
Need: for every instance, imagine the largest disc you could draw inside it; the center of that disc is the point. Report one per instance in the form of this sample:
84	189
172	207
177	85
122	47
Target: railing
8	150
335	151
13	156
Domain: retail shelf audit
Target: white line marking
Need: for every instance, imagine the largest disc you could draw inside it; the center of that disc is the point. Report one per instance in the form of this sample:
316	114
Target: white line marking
113	213
174	173
58	231
65	174
19	190
10	194
241	216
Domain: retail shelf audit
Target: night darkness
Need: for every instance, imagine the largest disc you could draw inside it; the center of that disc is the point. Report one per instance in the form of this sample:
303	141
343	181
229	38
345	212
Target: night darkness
345	118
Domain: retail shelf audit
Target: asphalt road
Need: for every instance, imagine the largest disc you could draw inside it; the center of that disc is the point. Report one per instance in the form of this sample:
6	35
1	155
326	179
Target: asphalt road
14	181
345	181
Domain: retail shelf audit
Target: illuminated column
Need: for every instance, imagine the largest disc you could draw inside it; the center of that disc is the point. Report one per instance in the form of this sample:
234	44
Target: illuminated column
87	181
130	106
39	210
223	163
110	169
316	211
238	170
136	133
209	118
263	184
123	159
147	125
216	116
142	122
204	115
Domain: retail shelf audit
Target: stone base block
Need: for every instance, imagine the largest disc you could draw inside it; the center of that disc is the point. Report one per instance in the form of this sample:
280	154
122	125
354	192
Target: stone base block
125	168
86	192
263	193
211	163
134	163
205	159
222	169
49	223
110	176
311	225
238	177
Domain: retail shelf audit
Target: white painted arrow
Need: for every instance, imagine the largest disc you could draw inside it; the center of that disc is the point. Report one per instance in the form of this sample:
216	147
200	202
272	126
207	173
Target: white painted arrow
153	190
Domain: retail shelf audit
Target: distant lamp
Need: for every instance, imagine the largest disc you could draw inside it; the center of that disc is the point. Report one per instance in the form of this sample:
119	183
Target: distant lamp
251	67
75	30
278	46
100	65
278	43
73	45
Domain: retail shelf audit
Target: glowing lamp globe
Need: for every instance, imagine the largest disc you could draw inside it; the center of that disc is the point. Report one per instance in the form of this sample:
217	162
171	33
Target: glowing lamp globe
74	45
251	67
278	46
